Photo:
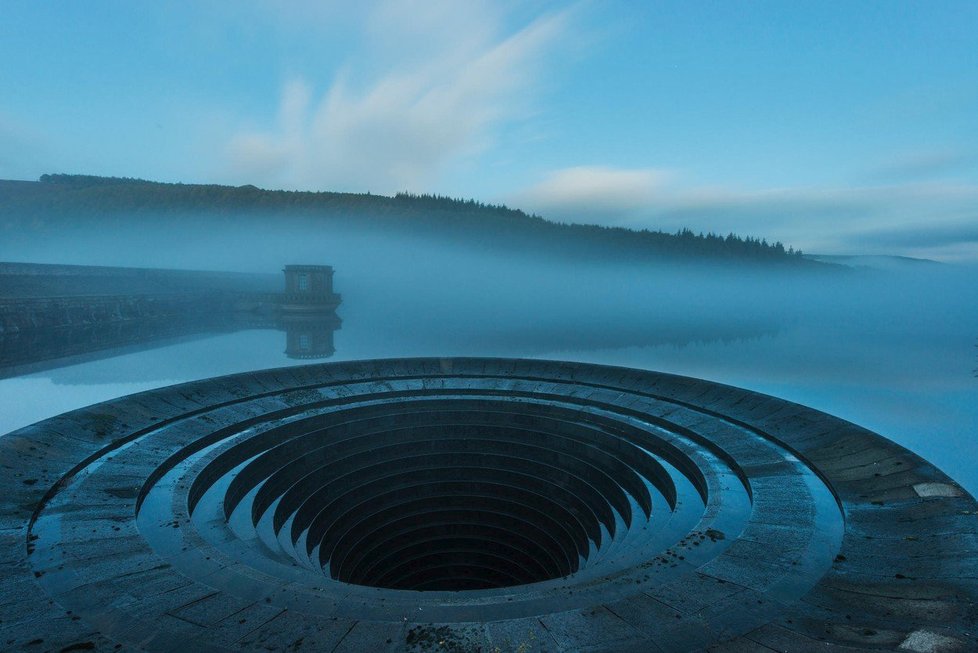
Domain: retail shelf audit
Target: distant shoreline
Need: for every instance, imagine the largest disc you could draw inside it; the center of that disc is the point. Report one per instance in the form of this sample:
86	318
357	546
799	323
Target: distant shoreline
57	202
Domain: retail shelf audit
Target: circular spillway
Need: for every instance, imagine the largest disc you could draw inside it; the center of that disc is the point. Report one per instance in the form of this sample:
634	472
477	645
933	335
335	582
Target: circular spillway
476	505
445	492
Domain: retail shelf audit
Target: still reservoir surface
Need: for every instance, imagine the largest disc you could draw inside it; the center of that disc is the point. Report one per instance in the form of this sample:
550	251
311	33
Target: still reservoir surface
897	358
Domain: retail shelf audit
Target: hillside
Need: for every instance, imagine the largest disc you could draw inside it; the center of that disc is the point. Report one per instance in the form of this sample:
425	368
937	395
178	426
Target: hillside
56	202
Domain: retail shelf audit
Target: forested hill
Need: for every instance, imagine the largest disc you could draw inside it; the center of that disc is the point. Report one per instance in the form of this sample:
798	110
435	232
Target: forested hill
70	201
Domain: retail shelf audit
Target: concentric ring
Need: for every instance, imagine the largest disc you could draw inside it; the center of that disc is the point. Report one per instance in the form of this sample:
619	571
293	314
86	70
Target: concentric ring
477	504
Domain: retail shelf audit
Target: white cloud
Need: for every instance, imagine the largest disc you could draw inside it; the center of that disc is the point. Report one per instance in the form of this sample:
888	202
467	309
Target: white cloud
923	164
589	190
933	219
442	77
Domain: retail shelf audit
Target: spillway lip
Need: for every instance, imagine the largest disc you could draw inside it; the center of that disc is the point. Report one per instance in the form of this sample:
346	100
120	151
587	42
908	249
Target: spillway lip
476	504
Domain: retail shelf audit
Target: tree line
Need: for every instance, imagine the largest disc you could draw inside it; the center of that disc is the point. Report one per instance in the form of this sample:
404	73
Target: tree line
60	198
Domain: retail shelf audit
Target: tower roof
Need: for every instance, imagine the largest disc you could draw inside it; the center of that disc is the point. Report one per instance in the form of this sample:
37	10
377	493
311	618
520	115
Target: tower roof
308	268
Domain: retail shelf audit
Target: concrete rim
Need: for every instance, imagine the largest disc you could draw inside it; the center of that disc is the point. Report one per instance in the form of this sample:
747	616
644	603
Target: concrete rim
846	538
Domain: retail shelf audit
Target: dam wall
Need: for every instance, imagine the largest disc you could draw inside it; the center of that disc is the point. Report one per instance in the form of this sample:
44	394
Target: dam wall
52	315
43	313
36	296
33	280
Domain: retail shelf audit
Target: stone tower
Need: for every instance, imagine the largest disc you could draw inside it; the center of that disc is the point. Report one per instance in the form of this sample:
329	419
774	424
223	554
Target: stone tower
309	281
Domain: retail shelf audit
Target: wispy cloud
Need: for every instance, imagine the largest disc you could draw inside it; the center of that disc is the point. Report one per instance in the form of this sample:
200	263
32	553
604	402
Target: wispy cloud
443	76
926	164
596	191
918	218
925	236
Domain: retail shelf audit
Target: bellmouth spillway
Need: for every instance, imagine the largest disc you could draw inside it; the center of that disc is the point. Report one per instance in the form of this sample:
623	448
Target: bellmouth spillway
476	505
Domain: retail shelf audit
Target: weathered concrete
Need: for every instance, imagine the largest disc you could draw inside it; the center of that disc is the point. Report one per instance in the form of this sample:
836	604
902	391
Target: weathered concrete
476	505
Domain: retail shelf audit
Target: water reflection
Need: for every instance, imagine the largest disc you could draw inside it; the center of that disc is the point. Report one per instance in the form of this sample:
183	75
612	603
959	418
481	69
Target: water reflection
30	352
54	316
37	350
894	353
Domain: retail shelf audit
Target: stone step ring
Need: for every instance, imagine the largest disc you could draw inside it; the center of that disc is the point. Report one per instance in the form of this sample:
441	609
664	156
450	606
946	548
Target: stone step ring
476	504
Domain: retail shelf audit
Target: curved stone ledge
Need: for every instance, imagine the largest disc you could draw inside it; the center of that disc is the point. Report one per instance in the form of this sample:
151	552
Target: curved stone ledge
476	505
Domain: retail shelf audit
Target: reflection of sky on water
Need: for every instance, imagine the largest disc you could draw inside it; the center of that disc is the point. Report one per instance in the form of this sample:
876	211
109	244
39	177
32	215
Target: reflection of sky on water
923	397
27	399
919	393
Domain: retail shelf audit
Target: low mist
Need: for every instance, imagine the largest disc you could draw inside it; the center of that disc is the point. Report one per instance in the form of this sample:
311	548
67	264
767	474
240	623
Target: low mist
892	349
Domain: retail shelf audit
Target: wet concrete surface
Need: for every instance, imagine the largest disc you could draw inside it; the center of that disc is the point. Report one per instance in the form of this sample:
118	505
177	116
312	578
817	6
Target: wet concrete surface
476	505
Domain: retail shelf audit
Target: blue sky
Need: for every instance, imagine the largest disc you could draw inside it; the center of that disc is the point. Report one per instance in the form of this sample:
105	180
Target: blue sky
838	127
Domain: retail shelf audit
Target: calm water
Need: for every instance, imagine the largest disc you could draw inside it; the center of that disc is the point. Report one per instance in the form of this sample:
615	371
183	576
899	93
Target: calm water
898	358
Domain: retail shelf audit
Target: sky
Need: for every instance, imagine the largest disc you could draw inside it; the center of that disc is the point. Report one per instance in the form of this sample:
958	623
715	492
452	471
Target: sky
835	127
